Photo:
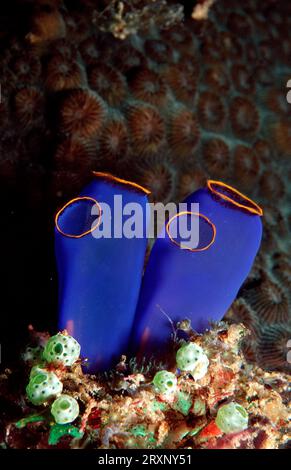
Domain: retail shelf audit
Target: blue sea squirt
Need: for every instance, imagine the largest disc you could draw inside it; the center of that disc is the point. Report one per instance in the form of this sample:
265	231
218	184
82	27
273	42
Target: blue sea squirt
200	282
99	276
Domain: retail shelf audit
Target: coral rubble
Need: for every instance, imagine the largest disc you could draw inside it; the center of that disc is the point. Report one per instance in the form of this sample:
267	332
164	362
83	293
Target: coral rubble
230	404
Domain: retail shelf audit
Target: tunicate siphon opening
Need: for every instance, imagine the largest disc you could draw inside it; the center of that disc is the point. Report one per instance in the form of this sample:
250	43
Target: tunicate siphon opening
58	348
114	179
79	217
40	378
65	405
191	231
234	197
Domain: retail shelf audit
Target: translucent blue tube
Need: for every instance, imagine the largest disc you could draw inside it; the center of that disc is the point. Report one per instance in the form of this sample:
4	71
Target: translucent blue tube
99	278
198	283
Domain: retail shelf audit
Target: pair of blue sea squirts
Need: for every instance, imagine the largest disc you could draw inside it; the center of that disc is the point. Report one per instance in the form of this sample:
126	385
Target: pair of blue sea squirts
106	301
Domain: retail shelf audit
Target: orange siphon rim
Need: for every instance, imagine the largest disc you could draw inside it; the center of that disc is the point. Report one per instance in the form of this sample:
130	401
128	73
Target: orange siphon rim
110	177
250	205
59	213
180	245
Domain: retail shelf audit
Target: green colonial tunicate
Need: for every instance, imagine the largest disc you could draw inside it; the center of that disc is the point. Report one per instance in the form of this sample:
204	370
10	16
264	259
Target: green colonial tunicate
191	358
65	409
37	369
62	348
32	354
232	418
43	386
165	382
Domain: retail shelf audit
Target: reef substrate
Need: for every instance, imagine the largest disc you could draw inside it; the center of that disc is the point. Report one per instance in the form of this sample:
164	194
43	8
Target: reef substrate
122	409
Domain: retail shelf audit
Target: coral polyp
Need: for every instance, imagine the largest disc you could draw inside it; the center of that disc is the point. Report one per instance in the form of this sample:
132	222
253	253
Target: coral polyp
183	83
211	111
179	38
63	74
216	78
216	157
82	113
266	51
147	128
66	49
281	269
242	78
25	67
270	302
281	134
114	141
190	180
159	178
272	183
147	85
47	25
184	133
128	58
28	104
101	78
157	50
89	51
244	118
72	151
230	46
272	350
264	151
246	166
276	101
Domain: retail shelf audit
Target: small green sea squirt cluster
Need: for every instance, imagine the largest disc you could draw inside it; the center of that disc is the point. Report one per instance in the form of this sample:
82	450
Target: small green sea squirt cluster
45	386
165	382
232	418
65	409
191	358
63	349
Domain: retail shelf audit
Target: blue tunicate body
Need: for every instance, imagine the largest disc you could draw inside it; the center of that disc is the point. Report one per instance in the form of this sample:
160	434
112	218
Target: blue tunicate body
99	278
197	285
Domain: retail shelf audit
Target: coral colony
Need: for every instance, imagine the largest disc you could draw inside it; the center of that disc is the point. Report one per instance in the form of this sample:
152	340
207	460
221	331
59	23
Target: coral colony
161	344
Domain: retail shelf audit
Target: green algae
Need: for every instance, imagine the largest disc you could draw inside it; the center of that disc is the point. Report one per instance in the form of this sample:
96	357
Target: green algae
59	430
158	405
183	403
29	419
